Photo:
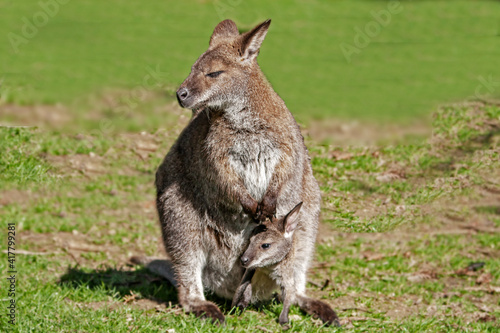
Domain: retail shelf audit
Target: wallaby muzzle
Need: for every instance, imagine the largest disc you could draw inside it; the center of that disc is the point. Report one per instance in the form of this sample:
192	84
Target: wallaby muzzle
182	96
246	260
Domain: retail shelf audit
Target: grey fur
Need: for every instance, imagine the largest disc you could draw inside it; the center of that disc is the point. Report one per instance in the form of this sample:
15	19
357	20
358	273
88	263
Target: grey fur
242	158
270	252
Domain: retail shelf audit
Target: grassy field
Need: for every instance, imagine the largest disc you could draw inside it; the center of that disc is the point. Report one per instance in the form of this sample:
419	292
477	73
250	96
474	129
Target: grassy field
401	224
427	53
410	232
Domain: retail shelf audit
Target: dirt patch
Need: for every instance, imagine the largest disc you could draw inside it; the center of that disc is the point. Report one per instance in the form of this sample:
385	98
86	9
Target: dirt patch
73	247
144	145
355	133
14	196
78	164
51	116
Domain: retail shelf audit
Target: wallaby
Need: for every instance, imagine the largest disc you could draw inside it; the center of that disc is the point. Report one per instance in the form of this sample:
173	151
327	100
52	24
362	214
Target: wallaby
269	252
241	158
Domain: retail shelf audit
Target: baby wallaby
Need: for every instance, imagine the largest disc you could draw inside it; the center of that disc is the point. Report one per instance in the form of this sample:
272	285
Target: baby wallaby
269	252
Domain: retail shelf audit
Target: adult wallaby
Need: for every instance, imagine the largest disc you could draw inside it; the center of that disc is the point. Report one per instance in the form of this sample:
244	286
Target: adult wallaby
241	158
269	253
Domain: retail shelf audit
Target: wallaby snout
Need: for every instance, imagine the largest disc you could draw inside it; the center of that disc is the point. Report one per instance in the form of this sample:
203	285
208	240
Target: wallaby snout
245	260
182	95
189	94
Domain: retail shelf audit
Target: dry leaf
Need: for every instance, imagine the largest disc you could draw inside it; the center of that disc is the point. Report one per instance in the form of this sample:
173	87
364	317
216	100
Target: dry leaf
130	298
484	317
389	176
484	278
422	276
370	256
341	155
148	146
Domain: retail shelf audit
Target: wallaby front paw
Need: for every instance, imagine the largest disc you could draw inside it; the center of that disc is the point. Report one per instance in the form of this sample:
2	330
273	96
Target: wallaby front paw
240	301
242	305
208	310
283	321
267	208
250	206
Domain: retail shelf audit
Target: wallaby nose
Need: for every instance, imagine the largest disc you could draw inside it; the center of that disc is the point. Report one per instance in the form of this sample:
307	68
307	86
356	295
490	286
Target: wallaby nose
182	94
244	260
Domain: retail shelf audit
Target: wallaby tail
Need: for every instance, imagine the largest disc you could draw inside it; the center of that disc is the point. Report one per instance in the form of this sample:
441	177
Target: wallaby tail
161	267
318	309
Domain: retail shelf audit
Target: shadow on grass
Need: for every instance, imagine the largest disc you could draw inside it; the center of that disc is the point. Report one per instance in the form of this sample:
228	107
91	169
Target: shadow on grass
121	282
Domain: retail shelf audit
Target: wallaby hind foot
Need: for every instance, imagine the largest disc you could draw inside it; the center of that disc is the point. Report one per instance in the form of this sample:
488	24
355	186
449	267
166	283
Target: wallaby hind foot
207	310
318	309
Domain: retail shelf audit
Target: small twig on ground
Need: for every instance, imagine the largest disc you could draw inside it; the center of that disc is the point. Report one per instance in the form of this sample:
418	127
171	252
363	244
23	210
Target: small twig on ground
71	255
314	284
488	289
357	309
83	247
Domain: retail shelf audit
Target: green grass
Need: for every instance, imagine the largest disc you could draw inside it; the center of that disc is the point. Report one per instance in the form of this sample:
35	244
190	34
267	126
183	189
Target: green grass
92	206
430	53
18	163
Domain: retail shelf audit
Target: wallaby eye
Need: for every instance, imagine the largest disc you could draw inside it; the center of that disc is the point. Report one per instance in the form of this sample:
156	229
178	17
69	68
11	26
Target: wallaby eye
265	246
214	74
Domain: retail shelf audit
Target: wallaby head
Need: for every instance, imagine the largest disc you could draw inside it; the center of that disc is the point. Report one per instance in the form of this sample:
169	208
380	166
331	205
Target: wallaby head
220	76
271	240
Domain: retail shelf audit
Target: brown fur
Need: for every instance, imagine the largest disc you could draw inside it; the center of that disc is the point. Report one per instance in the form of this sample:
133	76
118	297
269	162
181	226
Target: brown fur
240	158
270	251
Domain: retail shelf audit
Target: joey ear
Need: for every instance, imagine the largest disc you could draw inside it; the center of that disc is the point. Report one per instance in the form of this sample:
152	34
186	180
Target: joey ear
252	40
291	220
226	28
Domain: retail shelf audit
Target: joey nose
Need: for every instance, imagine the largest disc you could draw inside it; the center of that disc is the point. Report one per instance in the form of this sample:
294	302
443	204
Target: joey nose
182	94
244	260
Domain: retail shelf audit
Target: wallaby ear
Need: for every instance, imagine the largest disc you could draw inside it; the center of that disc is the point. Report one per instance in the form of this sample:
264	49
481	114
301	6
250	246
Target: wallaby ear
252	40
291	220
226	28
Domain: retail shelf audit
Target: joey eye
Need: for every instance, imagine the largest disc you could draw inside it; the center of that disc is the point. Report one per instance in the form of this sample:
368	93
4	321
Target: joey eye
214	74
265	246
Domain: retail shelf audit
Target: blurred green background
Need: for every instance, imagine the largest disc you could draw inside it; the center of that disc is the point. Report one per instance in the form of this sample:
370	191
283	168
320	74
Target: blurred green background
430	52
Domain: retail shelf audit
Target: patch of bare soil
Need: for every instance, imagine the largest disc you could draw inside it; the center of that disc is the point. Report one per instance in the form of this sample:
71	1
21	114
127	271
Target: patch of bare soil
344	133
53	116
14	196
78	164
143	145
73	247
